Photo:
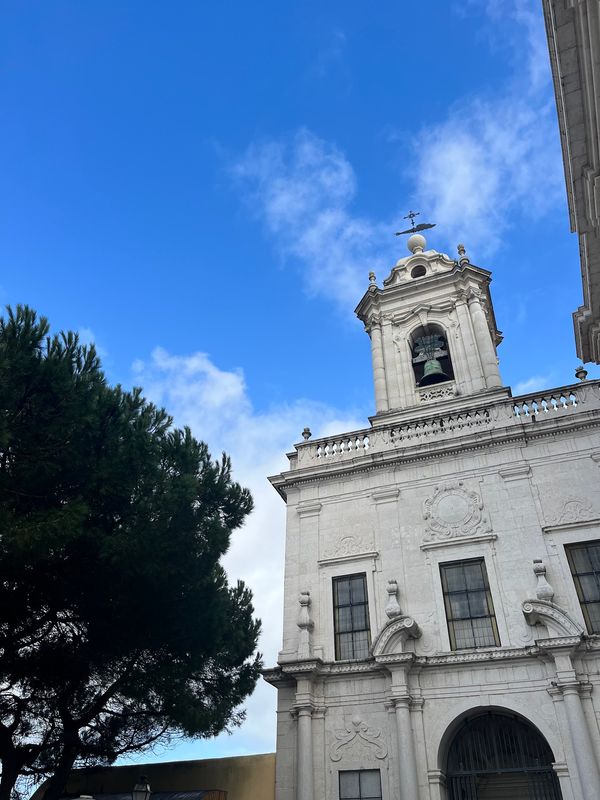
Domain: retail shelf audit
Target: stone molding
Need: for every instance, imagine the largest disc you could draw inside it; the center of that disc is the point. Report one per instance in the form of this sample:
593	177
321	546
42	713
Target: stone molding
556	620
309	509
381	496
518	473
482	537
323	562
358	731
566	526
558	642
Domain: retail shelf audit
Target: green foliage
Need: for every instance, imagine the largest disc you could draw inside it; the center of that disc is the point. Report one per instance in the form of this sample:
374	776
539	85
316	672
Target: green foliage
117	624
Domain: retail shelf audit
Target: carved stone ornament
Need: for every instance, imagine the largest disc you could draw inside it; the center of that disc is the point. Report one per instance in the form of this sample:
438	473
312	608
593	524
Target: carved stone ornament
392	608
573	509
358	731
556	620
454	511
543	590
434	394
305	624
352	545
391	638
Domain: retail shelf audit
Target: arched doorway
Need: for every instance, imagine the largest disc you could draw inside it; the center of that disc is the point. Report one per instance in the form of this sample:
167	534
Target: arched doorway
496	756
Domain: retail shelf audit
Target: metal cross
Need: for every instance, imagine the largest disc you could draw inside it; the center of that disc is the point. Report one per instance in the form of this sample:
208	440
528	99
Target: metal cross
411	216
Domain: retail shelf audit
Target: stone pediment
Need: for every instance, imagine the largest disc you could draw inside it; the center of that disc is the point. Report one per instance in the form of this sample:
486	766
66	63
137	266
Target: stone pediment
556	620
391	638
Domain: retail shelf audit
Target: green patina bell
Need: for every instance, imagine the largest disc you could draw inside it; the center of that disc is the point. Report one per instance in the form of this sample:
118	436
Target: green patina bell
433	373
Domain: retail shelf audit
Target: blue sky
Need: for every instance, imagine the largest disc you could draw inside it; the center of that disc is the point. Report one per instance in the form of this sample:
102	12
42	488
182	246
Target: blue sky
202	189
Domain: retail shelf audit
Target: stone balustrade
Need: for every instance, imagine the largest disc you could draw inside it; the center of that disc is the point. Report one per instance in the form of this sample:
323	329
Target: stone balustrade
515	411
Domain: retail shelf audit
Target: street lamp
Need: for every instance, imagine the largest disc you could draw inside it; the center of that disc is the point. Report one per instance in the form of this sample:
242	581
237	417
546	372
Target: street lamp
141	791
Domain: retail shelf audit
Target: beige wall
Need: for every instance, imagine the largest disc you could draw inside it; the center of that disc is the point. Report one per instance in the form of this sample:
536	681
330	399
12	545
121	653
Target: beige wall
242	777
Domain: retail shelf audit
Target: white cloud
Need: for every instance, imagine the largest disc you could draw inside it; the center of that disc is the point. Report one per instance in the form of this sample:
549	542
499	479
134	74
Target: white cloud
303	190
493	163
490	165
535	383
87	336
495	160
216	405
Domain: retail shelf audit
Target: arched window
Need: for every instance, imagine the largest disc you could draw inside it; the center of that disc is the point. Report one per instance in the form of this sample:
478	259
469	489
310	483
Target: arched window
500	756
431	356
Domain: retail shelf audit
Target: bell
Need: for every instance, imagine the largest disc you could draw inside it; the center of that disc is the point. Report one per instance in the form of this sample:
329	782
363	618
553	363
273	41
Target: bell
433	373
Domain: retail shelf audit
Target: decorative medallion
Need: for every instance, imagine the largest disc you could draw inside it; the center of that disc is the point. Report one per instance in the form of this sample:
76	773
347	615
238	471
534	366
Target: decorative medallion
358	731
454	511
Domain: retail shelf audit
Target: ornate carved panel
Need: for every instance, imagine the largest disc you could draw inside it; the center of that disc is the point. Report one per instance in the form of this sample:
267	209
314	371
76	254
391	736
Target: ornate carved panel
454	511
347	545
358	732
569	510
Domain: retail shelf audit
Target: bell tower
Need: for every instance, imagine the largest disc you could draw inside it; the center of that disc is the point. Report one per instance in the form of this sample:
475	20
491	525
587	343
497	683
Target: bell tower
433	331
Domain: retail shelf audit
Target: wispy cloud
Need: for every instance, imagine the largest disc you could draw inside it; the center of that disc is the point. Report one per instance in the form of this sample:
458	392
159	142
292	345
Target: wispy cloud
216	405
494	160
533	384
303	191
496	157
87	336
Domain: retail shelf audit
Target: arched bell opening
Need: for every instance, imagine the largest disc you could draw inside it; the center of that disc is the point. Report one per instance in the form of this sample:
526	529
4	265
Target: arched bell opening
500	756
431	356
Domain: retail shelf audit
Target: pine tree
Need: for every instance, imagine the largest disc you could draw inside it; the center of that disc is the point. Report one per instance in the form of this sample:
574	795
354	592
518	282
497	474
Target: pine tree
117	624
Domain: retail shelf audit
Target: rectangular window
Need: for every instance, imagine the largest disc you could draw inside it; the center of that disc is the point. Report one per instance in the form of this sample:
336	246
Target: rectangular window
364	784
351	617
584	560
469	607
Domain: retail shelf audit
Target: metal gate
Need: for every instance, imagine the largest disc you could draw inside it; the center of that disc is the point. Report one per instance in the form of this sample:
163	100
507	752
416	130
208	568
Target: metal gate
500	757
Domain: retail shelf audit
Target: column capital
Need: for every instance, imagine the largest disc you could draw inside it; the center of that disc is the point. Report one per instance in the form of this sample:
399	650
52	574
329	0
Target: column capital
402	701
304	710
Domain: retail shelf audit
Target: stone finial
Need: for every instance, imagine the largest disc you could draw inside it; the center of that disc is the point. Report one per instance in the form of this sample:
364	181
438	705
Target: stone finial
462	253
372	277
306	434
392	608
305	624
416	243
304	620
581	373
543	589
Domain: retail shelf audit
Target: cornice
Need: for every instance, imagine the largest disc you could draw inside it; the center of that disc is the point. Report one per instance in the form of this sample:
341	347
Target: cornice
431	451
491	655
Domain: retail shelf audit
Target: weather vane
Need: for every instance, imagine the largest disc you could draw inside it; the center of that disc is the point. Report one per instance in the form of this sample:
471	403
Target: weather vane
423	226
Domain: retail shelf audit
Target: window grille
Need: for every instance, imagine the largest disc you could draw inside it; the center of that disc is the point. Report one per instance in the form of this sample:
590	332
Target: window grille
584	560
496	755
351	617
364	784
468	603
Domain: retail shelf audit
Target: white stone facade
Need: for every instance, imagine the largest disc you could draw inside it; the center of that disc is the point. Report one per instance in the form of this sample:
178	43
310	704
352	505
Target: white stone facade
573	30
466	472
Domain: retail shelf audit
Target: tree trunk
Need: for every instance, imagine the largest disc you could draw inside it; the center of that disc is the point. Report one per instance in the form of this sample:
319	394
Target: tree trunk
10	773
55	788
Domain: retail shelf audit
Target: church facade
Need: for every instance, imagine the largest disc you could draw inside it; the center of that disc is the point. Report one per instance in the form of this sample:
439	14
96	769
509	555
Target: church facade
442	580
